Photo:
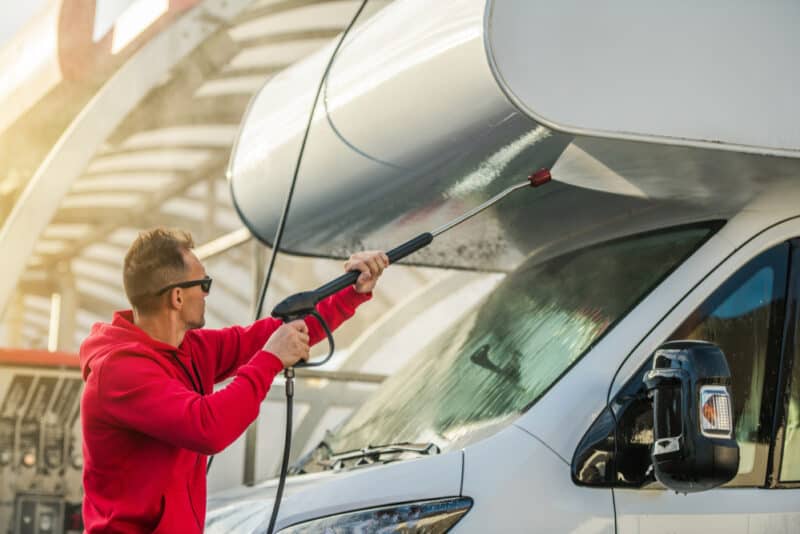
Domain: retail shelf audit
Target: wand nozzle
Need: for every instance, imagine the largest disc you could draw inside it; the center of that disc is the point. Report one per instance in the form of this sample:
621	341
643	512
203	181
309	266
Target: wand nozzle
540	177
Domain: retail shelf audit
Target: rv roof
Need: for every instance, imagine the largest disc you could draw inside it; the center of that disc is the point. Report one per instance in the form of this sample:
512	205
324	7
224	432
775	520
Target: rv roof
396	148
686	73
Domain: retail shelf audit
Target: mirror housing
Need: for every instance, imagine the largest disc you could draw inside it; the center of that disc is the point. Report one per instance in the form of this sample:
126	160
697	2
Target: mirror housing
693	444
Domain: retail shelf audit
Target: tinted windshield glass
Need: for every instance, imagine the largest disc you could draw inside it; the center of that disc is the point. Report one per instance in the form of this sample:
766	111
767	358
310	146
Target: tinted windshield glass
505	354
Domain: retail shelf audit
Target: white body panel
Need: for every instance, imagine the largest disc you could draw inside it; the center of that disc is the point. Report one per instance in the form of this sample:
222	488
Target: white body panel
404	71
520	485
718	511
717	74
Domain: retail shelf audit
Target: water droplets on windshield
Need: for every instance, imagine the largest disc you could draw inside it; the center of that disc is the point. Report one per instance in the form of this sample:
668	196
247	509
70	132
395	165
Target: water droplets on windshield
481	373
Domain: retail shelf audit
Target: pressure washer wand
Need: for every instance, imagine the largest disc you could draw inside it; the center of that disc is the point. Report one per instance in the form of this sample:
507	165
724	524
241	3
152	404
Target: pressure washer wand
303	304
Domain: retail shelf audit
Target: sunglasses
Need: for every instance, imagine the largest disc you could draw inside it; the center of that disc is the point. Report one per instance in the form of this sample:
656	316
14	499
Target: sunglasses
204	283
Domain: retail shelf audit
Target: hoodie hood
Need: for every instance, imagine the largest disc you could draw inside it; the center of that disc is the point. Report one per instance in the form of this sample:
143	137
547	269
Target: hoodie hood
120	335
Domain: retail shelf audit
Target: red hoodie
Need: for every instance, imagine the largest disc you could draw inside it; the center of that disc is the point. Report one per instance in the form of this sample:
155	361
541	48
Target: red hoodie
149	422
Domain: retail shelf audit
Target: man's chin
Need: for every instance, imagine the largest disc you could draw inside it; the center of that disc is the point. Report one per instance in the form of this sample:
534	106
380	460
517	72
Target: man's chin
200	324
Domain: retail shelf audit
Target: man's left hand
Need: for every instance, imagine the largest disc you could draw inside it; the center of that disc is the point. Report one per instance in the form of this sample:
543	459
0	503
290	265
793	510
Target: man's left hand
371	263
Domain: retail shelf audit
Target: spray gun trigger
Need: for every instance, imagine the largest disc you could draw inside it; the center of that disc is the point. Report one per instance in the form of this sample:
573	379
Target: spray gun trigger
296	306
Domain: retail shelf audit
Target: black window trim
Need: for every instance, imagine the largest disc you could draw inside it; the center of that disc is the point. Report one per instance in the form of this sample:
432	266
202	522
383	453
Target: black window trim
772	370
783	389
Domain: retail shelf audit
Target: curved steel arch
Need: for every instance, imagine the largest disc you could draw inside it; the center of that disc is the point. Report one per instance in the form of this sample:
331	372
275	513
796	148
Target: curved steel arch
96	122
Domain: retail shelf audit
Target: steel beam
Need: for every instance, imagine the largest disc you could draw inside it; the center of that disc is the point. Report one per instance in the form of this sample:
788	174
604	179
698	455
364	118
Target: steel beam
68	308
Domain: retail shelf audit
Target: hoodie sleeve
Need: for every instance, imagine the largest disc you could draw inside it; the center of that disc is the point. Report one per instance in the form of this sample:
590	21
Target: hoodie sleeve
139	393
231	347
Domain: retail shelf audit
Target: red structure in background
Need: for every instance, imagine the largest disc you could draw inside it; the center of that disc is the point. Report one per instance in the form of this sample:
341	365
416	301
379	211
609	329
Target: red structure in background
38	358
81	58
53	67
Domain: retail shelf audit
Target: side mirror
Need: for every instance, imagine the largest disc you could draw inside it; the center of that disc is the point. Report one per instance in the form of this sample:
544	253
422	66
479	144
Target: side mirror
693	444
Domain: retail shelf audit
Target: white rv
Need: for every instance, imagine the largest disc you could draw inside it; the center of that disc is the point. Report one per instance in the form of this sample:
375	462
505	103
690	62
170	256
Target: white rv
674	214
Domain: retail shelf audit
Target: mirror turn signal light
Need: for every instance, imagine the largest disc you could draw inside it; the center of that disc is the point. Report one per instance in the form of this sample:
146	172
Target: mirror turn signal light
715	411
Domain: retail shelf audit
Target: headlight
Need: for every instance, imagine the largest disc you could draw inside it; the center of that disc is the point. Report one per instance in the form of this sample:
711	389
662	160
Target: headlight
428	517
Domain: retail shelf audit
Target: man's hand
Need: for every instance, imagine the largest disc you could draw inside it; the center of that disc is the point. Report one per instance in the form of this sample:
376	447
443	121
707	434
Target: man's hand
371	263
289	343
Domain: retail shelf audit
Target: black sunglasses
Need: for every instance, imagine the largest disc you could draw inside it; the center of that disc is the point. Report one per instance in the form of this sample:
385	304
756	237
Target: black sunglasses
204	283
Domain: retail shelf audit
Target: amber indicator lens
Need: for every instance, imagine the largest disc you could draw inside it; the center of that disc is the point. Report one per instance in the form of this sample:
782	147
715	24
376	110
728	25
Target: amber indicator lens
715	411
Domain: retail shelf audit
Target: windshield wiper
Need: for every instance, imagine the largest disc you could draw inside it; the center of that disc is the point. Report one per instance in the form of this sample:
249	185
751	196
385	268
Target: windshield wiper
376	454
318	455
510	371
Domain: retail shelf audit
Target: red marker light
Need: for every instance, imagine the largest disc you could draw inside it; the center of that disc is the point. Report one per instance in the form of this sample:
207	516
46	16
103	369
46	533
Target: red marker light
540	177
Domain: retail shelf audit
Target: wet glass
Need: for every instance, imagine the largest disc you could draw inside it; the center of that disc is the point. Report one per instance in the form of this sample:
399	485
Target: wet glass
790	464
481	373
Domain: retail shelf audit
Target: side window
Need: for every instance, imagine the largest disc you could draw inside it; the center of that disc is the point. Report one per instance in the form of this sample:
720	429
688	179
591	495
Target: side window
744	317
790	465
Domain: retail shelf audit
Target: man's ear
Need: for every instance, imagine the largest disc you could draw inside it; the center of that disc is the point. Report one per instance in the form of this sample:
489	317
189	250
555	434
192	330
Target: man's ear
176	298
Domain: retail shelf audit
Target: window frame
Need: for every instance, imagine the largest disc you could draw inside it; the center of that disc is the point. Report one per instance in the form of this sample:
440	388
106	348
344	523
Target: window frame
772	364
727	266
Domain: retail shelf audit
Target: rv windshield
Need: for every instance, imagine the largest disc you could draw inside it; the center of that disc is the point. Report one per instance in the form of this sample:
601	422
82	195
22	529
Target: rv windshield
506	353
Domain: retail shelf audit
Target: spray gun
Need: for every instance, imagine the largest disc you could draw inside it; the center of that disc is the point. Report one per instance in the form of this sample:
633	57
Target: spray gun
301	305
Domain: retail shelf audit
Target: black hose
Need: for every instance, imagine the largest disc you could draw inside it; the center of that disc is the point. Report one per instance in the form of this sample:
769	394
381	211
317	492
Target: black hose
289	373
284	215
287	441
287	448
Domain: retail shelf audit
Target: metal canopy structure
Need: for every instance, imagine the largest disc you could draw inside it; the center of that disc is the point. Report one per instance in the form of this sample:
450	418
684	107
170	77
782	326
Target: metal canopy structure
150	149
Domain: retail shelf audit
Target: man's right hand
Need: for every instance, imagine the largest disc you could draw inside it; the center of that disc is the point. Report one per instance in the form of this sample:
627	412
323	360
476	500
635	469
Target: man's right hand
289	343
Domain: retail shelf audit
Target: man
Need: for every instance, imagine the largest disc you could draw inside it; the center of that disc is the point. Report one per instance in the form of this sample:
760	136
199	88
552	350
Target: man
149	414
